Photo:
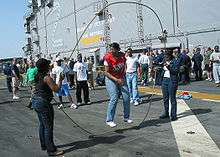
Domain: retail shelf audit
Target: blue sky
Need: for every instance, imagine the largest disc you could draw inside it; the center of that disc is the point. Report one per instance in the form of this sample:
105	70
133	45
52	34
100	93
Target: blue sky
12	37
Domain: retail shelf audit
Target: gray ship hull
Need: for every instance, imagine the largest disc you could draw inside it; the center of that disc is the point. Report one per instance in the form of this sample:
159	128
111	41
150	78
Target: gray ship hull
55	30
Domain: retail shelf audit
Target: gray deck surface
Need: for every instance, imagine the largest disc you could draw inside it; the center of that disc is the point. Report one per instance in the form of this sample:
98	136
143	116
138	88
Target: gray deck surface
19	127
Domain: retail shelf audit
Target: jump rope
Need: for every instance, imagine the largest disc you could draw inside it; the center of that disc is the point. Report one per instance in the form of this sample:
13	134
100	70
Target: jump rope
88	132
91	132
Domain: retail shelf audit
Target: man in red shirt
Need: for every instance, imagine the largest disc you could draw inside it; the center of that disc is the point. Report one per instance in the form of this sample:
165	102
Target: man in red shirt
114	62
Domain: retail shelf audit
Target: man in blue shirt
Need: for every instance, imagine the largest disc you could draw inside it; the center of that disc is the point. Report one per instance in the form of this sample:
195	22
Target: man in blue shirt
8	73
15	78
197	66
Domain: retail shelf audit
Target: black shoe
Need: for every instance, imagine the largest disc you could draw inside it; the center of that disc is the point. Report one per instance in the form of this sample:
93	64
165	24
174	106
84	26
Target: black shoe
88	102
163	116
173	118
56	153
43	148
30	105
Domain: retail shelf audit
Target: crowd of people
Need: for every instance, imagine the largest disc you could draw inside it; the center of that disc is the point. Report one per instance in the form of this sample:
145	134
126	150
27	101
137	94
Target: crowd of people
193	66
21	73
121	74
14	75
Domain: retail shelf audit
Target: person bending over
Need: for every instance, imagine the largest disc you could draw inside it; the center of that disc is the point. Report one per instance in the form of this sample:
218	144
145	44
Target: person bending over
115	62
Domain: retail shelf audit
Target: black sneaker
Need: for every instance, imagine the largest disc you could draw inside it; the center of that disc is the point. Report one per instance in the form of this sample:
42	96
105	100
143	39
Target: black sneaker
88	102
30	106
164	116
56	153
173	118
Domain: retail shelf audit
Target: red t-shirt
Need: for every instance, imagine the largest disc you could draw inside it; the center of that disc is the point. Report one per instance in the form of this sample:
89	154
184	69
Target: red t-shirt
116	65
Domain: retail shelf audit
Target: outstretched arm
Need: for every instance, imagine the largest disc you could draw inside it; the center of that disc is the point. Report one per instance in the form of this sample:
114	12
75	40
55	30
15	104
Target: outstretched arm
53	86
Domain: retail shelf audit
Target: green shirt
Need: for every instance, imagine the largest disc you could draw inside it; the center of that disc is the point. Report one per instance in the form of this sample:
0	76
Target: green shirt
31	72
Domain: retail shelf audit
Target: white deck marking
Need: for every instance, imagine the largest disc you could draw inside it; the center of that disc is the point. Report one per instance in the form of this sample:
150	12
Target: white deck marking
211	100
195	143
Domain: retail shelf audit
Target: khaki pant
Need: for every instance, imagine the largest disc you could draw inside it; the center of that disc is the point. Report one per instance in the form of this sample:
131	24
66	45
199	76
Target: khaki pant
15	82
90	80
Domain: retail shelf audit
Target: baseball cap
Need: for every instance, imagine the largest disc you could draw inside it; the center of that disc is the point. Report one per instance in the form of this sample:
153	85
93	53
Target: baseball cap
115	45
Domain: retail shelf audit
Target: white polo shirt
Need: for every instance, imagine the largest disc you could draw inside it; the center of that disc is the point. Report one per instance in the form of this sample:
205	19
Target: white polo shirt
131	63
144	59
81	69
215	56
57	70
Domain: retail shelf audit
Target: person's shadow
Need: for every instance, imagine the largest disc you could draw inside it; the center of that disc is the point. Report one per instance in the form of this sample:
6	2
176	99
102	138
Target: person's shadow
158	122
91	142
196	111
147	123
10	101
113	139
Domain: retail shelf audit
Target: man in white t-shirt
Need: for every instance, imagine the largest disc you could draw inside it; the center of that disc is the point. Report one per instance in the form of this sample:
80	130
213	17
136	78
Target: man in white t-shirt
64	90
81	74
215	59
132	77
144	63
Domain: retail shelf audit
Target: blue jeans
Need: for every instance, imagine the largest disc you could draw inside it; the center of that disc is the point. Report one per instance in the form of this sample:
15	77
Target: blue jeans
158	77
169	89
132	79
113	90
45	114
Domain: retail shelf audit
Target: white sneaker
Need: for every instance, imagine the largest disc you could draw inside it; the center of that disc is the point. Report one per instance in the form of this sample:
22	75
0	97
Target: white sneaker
79	103
111	124
131	101
74	106
60	106
136	103
140	100
129	121
15	97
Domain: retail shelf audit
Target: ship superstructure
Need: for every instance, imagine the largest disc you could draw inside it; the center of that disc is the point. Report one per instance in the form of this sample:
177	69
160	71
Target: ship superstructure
53	27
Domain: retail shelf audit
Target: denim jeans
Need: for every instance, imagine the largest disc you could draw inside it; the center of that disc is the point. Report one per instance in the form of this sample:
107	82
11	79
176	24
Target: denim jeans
132	79
158	77
169	89
45	114
113	90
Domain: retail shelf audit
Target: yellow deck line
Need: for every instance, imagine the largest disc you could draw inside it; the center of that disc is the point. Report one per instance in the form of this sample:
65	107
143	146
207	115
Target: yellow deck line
196	95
